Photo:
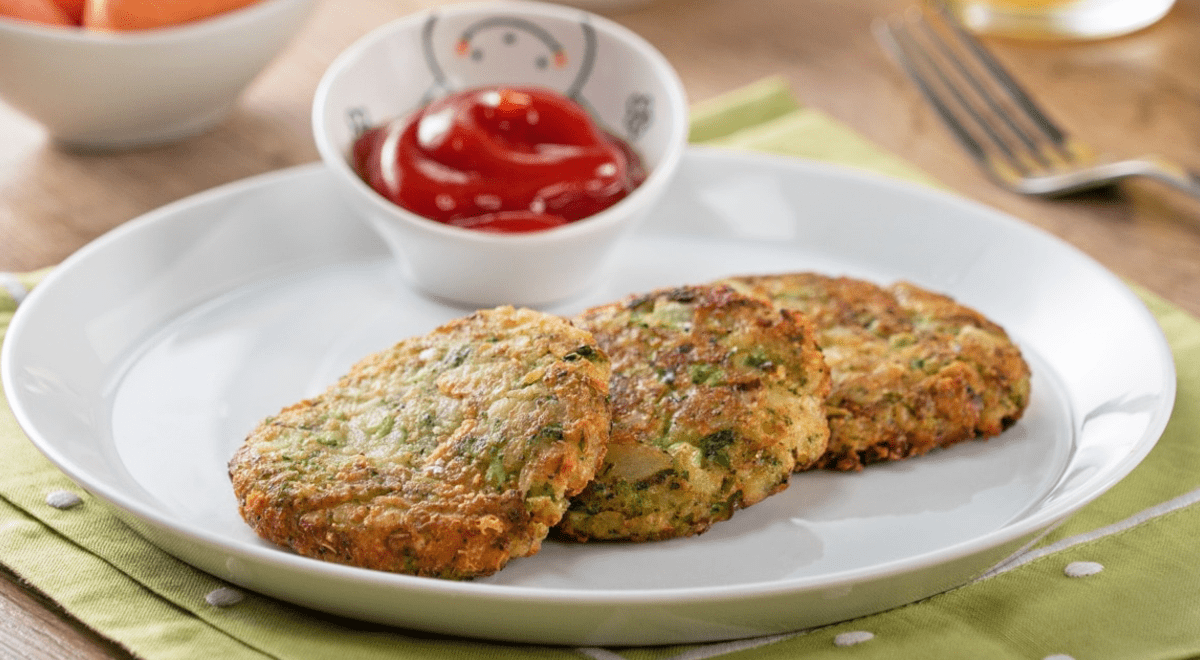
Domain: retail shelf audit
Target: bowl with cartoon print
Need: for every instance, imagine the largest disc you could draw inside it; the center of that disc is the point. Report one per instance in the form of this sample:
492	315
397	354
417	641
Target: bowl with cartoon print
625	85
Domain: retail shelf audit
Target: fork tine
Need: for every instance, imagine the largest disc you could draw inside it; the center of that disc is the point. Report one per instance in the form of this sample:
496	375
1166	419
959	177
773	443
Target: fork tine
982	93
995	119
955	110
985	109
890	36
1001	75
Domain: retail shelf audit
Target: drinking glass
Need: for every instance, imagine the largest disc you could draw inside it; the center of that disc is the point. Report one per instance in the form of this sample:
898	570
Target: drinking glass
1059	19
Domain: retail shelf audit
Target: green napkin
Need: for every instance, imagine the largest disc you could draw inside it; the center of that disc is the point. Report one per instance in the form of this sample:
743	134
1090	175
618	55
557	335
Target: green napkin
1144	603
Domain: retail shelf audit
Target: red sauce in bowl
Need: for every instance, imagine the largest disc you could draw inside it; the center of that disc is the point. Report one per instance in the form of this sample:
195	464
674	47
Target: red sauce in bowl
506	159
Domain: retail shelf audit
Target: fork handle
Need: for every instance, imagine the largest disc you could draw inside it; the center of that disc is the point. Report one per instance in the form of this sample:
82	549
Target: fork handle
1172	174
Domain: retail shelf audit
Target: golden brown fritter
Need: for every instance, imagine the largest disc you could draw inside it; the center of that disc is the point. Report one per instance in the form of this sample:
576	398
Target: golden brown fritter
444	456
716	398
912	369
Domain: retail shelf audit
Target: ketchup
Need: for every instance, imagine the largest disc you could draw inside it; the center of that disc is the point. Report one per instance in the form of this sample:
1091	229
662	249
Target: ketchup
507	159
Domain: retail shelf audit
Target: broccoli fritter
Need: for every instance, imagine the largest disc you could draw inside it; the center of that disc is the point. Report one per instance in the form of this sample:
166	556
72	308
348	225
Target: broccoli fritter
716	398
443	456
912	370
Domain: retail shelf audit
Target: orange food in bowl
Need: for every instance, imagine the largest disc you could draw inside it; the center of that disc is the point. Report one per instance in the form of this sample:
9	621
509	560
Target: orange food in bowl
146	14
116	15
73	9
38	11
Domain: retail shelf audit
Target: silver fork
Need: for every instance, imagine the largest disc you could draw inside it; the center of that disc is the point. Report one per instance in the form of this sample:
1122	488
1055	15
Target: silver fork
996	121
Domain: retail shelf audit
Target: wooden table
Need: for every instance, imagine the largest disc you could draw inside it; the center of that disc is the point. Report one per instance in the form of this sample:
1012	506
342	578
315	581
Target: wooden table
1135	94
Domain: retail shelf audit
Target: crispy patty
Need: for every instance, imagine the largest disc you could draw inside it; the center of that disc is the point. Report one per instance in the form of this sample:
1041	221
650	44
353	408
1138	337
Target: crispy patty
912	369
716	398
444	456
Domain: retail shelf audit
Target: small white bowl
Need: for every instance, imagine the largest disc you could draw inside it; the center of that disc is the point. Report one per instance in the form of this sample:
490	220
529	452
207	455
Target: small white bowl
627	84
104	90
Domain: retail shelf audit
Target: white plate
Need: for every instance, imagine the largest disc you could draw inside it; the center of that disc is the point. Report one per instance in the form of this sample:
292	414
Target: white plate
141	363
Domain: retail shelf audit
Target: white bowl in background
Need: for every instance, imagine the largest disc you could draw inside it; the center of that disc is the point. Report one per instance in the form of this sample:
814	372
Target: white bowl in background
627	85
111	90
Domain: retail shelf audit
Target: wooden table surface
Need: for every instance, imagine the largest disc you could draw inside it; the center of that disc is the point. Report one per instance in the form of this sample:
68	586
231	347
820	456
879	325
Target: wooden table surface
1131	95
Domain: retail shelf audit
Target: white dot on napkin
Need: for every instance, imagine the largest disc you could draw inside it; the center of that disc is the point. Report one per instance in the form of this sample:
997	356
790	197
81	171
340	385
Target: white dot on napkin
1082	568
1058	656
852	638
63	499
16	290
223	597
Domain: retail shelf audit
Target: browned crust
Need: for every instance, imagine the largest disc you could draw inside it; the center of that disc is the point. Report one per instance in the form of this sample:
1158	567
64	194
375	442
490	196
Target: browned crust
444	456
912	370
